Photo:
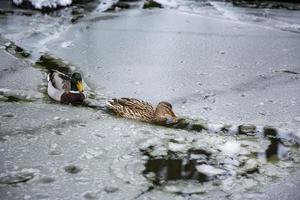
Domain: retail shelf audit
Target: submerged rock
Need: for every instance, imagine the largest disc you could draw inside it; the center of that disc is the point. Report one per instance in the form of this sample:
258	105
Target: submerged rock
76	18
3	98
90	195
199	125
151	4
50	62
247	129
110	189
270	131
15	50
118	5
8	115
72	169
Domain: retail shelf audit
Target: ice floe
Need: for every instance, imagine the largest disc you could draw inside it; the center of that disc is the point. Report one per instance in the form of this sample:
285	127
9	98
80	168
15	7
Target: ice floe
230	148
209	170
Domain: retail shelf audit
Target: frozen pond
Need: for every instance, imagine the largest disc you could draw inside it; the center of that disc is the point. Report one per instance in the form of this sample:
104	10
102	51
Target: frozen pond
231	72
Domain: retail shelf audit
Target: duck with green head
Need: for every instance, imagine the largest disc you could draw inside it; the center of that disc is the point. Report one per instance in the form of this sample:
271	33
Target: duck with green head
66	89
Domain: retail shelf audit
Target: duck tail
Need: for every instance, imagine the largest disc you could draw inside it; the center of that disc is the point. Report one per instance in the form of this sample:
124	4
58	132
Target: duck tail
50	74
111	103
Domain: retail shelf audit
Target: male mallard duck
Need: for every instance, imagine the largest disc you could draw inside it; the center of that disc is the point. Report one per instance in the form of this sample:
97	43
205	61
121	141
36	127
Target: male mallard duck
140	110
65	89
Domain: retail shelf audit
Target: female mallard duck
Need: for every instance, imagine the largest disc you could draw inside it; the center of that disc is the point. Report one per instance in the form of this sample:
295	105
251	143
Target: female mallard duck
65	89
140	110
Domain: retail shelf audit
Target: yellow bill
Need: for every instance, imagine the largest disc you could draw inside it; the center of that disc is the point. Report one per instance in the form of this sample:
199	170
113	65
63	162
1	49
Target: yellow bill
79	86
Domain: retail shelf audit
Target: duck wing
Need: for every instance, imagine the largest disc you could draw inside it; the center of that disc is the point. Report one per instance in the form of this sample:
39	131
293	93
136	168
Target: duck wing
132	108
59	80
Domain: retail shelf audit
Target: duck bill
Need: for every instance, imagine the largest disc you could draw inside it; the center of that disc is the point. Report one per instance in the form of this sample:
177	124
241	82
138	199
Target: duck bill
79	86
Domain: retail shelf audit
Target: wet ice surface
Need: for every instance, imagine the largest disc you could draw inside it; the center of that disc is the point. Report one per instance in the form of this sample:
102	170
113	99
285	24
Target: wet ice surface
87	162
208	67
212	68
282	19
93	155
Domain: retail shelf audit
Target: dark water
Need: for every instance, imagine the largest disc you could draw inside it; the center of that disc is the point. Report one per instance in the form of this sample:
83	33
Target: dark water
173	167
278	148
48	63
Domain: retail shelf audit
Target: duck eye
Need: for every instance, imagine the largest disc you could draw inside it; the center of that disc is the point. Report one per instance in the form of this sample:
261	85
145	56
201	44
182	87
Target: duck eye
168	105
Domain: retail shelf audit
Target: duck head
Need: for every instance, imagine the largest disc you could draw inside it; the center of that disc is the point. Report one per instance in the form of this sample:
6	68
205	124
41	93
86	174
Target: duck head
164	114
76	82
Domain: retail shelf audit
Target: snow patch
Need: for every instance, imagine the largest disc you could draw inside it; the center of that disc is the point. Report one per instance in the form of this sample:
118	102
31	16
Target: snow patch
169	3
105	4
18	2
175	147
66	44
230	148
39	4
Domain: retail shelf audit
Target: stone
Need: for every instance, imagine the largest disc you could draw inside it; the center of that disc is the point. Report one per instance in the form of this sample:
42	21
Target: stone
151	4
247	129
90	195
72	169
110	189
119	5
8	115
251	166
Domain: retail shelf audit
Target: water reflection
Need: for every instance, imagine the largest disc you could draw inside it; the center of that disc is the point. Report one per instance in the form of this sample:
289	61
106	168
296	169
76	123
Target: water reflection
172	168
276	151
175	166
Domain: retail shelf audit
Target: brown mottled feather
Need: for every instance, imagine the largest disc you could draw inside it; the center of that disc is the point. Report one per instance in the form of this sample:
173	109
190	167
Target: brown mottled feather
140	110
132	108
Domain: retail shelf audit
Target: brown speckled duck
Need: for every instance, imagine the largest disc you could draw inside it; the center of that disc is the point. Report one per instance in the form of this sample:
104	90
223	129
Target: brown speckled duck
132	108
65	89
